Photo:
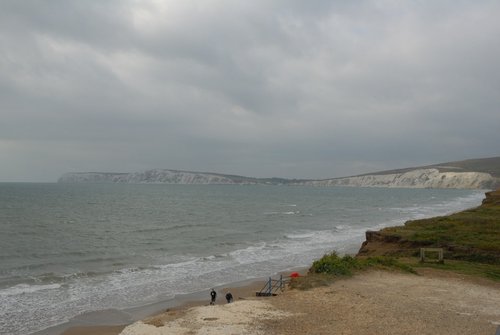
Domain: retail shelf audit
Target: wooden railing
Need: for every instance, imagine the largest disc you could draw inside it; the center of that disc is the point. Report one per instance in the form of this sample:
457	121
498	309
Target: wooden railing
272	287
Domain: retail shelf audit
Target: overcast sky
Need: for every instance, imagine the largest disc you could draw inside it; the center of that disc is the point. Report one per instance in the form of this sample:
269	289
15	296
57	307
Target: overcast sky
298	89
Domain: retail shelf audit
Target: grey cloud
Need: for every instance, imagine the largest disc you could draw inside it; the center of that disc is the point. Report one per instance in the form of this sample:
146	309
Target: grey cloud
262	88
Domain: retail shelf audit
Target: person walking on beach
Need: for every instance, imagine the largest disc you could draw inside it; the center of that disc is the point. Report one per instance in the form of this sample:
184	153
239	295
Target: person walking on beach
229	297
213	296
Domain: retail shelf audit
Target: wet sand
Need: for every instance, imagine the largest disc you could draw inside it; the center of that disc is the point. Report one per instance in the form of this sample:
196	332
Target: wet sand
95	330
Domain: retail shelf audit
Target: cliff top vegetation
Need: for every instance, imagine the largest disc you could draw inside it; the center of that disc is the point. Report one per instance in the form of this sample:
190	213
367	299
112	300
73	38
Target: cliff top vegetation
472	235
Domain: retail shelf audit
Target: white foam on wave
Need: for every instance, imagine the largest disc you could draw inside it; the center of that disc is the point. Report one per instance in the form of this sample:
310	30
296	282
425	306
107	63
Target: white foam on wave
282	213
299	236
26	288
303	246
440	207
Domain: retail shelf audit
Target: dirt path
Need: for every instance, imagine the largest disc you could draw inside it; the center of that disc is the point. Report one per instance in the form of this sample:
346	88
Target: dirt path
392	303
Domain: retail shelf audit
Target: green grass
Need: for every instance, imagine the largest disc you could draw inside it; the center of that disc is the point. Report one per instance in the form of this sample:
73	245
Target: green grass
332	264
489	271
472	235
331	267
476	228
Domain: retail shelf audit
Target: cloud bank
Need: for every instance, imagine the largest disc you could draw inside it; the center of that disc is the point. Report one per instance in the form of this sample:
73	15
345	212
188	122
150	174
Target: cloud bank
260	88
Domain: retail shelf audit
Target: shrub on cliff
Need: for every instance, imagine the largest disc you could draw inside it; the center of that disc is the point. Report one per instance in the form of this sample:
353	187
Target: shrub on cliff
333	264
344	266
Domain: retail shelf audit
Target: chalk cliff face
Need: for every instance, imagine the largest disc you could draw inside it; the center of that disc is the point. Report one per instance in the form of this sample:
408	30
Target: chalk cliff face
420	178
469	174
157	176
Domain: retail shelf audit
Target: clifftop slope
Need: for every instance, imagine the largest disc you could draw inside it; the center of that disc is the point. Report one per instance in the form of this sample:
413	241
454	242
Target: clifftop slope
486	165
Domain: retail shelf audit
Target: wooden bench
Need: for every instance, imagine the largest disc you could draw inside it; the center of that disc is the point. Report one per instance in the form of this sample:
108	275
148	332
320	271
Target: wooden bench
438	250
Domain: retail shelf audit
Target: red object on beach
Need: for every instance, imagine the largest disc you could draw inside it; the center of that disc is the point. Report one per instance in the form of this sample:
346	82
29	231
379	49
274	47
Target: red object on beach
294	275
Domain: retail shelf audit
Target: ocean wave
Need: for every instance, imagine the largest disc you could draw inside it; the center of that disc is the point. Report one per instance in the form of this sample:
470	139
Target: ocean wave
434	208
282	213
26	288
300	236
51	277
216	257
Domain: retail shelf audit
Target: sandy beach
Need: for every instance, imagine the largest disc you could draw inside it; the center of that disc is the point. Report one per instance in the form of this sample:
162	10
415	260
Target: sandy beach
373	302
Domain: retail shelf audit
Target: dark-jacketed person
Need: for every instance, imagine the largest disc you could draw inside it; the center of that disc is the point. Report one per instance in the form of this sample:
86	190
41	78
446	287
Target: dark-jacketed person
213	296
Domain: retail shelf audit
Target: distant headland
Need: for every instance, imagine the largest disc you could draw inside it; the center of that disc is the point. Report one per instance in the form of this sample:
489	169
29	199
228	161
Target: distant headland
481	173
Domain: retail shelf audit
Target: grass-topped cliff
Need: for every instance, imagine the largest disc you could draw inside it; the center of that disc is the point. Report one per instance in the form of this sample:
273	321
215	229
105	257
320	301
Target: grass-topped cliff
472	174
472	235
489	165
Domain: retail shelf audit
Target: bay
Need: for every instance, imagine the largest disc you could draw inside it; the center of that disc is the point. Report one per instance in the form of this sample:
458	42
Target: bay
69	249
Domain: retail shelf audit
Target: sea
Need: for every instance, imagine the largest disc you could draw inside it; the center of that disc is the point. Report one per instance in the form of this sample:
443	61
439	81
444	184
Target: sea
70	250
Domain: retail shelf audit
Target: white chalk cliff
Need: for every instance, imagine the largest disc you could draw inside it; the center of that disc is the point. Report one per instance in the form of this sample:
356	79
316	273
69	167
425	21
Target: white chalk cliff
469	174
156	176
419	178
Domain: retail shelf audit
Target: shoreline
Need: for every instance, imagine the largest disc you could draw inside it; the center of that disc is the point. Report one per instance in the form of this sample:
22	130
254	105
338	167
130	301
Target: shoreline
112	322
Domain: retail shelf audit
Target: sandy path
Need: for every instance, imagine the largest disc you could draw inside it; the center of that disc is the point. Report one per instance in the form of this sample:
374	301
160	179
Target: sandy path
392	303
